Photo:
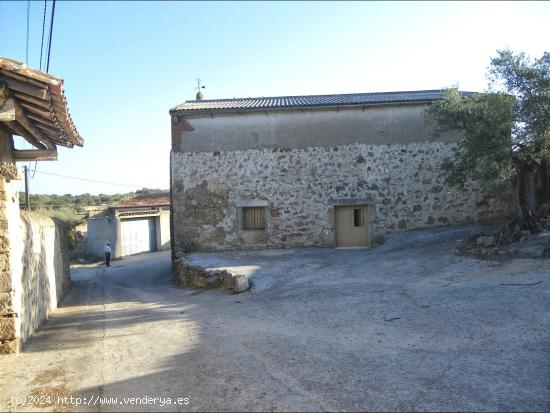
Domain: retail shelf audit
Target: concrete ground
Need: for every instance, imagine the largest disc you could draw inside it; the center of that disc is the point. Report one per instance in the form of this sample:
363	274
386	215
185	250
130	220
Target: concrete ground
408	326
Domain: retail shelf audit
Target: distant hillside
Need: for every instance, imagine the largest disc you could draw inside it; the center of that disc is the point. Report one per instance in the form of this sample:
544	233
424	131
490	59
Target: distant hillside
67	207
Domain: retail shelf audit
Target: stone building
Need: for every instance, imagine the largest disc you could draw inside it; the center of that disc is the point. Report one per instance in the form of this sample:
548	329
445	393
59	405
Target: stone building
140	224
34	256
298	171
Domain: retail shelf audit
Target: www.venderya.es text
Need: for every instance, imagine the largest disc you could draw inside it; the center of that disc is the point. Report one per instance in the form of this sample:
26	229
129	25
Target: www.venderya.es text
99	401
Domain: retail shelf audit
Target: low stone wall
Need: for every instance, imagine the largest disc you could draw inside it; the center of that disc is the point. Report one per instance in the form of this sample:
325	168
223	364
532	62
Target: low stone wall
198	277
39	275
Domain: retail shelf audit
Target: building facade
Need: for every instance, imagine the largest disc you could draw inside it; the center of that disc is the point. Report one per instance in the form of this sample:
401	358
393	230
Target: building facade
141	224
336	170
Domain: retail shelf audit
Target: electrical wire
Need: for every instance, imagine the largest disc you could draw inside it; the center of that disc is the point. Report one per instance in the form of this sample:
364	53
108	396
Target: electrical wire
89	180
43	28
34	171
50	41
28	15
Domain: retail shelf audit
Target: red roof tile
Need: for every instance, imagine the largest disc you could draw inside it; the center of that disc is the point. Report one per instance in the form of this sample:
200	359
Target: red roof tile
149	200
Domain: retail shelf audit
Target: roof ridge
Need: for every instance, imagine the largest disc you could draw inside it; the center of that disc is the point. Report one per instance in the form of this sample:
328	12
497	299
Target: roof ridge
310	96
253	104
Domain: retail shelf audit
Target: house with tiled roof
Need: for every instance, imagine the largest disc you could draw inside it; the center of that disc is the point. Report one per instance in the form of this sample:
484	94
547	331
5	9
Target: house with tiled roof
136	225
300	171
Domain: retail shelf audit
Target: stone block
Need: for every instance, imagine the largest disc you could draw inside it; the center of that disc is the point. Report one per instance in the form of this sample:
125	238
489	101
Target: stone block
533	251
486	241
5	281
182	278
9	346
240	284
6	303
212	281
199	281
8	327
228	280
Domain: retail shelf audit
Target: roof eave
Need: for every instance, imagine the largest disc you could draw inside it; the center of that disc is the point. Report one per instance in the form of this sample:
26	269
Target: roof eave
41	103
296	108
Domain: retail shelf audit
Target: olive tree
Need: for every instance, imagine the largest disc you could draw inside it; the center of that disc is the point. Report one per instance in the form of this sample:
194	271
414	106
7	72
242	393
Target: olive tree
505	131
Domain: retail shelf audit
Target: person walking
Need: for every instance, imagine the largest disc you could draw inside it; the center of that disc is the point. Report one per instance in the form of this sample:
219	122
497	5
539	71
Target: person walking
107	250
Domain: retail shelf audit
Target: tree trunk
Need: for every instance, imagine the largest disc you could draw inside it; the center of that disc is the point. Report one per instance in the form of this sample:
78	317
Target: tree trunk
528	198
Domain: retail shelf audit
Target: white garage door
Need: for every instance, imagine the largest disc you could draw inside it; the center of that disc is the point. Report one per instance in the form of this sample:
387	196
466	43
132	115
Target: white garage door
138	235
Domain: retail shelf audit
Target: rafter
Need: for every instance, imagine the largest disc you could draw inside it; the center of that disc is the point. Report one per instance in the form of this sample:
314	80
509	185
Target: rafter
12	113
26	88
34	155
17	129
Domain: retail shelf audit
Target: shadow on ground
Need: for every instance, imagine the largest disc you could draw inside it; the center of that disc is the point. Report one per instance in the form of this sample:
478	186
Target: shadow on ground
408	326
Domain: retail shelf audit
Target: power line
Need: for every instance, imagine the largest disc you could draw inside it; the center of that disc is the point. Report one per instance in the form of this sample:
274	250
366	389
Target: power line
28	14
50	41
88	180
34	171
43	28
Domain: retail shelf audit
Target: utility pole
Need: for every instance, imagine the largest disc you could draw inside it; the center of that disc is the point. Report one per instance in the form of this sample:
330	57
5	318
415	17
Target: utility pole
27	204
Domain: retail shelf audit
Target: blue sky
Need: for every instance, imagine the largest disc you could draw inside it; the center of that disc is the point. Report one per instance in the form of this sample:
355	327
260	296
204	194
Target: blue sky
125	64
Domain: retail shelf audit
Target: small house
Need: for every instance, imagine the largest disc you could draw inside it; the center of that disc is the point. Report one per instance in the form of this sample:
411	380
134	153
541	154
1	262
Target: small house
140	224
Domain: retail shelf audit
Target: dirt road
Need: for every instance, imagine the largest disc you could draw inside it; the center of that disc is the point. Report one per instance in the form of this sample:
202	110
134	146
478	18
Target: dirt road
407	326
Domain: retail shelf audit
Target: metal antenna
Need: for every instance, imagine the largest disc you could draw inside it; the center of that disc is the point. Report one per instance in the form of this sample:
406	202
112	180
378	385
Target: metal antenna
198	88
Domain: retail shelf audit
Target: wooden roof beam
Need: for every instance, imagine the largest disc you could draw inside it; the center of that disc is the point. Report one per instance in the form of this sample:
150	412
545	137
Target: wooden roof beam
17	129
26	88
37	110
44	104
12	113
40	122
24	155
25	79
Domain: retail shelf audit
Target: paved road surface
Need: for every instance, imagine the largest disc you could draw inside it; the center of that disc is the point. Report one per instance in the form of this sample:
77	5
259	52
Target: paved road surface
407	326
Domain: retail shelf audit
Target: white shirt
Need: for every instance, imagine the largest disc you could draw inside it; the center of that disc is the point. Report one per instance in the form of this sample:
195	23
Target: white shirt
107	249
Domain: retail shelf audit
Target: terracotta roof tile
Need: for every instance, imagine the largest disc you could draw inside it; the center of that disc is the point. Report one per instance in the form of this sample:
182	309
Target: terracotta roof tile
149	200
42	98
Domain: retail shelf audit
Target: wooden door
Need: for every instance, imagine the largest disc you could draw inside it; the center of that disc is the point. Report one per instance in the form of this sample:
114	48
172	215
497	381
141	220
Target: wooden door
352	226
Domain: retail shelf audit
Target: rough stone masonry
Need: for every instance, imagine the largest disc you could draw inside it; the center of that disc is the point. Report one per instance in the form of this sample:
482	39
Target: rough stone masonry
298	164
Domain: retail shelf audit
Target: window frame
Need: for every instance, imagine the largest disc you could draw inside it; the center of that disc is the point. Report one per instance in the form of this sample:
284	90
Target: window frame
253	223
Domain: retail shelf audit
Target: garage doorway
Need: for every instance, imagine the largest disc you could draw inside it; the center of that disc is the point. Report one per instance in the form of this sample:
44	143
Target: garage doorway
352	226
138	235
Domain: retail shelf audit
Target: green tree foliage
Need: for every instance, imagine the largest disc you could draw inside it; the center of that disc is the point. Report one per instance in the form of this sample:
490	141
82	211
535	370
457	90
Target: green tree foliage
506	131
66	207
486	120
529	82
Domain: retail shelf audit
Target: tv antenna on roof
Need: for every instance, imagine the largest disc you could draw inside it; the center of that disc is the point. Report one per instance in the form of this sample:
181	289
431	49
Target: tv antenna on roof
199	95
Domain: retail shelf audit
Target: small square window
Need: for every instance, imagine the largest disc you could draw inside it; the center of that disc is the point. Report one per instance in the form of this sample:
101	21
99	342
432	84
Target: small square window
254	218
358	217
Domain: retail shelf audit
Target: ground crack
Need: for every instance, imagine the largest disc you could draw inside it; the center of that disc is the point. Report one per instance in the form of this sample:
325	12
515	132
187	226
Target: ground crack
422	393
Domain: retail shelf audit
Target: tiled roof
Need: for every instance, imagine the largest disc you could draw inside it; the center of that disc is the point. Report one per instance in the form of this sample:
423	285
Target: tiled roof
287	102
160	199
42	100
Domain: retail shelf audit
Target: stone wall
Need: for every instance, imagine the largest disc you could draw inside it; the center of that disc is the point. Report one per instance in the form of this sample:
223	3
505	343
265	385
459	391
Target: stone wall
44	275
402	183
34	260
9	302
35	270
